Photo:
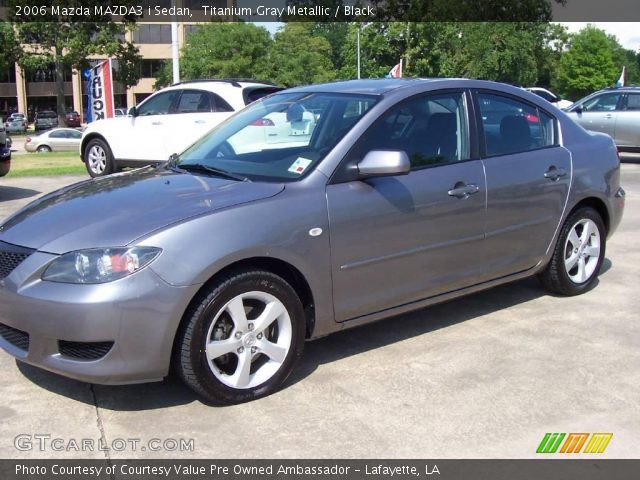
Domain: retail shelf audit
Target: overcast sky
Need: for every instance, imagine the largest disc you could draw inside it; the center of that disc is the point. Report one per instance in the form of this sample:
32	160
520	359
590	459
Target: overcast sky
628	33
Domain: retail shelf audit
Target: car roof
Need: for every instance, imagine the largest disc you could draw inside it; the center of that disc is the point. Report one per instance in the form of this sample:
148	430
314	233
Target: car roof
383	86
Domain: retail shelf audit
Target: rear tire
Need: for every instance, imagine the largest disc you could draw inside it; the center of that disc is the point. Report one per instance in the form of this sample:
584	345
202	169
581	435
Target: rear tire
98	158
43	149
578	254
242	338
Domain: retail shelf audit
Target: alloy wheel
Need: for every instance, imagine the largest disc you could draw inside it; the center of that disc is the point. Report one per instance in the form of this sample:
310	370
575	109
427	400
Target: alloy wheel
582	251
248	340
97	159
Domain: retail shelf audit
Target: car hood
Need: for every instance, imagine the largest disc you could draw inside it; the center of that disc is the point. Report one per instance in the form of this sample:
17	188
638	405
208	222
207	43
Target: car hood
118	209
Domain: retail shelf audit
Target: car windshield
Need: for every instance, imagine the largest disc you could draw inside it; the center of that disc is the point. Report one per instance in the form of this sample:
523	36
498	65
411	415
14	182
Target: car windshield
278	138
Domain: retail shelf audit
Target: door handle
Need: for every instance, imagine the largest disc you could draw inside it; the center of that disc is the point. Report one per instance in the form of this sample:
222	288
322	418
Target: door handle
463	190
608	115
199	121
156	123
554	173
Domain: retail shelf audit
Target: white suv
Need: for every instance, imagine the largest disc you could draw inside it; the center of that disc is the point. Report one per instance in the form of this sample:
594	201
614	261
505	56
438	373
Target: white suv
167	122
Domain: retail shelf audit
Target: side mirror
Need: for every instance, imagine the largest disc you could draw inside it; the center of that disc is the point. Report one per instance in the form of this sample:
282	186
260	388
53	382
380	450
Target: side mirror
384	163
132	112
578	109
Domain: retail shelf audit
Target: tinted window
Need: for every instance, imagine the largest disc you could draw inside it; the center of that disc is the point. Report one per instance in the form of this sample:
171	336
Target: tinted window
47	114
220	105
602	103
511	126
633	101
58	134
251	94
74	134
158	104
432	130
194	101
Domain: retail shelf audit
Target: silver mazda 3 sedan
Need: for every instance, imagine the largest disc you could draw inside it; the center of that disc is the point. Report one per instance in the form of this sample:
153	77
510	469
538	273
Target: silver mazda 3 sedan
313	210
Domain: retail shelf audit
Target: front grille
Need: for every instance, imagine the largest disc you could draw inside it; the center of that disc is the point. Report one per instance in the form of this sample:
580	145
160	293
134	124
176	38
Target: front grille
84	350
10	257
15	337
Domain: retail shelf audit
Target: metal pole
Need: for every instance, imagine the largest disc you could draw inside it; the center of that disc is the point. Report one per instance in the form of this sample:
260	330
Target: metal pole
174	48
358	51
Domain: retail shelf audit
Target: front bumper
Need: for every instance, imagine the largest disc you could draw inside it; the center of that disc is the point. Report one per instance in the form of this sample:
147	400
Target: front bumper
139	315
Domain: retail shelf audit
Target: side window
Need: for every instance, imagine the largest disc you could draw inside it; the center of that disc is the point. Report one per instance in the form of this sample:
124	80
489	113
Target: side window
219	104
74	134
431	129
194	101
602	103
159	104
633	101
58	134
511	126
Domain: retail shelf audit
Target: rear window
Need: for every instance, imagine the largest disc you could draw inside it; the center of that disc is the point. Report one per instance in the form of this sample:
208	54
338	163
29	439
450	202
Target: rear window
47	114
251	94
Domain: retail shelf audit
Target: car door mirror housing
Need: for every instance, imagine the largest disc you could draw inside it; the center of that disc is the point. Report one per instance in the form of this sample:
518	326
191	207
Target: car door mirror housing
132	112
384	163
578	109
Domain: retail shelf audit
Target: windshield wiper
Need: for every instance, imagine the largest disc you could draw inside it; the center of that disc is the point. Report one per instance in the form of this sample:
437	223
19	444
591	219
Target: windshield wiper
199	167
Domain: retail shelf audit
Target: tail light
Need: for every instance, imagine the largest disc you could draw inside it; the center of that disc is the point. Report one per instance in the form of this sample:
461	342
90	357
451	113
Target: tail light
263	122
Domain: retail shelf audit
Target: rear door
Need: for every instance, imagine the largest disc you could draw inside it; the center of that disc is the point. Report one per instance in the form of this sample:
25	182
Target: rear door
528	178
627	132
396	240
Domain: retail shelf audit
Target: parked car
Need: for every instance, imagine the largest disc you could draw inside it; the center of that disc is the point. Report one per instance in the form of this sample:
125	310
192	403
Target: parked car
16	122
167	122
45	120
3	135
614	111
222	263
5	161
54	140
72	119
550	97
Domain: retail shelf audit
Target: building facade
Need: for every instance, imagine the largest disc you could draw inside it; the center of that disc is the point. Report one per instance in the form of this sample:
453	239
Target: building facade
29	92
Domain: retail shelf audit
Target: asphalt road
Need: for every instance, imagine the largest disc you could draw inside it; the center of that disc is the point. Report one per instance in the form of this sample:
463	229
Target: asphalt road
485	376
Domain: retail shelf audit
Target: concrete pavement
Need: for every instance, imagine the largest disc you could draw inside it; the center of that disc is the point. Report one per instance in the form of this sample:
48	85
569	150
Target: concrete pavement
484	376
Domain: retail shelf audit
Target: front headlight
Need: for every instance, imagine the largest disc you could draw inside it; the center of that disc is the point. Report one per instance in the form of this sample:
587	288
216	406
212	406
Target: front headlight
99	265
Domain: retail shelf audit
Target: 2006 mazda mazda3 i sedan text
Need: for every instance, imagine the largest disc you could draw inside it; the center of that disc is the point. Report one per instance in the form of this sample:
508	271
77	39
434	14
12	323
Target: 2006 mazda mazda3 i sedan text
313	210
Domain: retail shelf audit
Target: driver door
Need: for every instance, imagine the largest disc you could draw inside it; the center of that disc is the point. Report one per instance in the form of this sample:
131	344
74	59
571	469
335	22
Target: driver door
397	240
149	129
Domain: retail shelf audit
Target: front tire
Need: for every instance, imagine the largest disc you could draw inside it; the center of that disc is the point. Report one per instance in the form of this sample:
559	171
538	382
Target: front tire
242	338
578	255
98	158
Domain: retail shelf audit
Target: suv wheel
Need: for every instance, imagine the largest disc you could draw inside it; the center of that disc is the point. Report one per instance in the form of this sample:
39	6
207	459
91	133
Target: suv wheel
98	158
242	338
578	254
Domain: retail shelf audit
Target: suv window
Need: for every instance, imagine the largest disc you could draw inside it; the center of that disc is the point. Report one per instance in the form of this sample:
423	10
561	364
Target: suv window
602	103
219	104
633	101
159	104
431	129
194	101
548	96
511	126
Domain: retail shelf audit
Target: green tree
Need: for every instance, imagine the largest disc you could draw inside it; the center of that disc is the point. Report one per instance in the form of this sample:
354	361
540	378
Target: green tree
587	65
499	51
222	50
298	56
68	42
9	46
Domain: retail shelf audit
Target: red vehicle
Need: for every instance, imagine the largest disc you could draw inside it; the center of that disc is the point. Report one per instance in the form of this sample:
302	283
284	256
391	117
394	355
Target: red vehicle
72	119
